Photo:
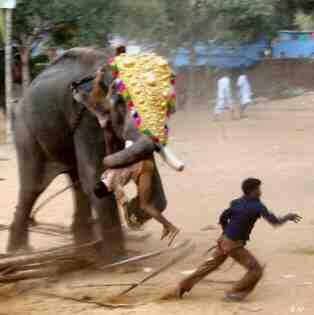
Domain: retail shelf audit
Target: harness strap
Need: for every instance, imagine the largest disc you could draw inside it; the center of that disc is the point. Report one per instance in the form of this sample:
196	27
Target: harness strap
78	119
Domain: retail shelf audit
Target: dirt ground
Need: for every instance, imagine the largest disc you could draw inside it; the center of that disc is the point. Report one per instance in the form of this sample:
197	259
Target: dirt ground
274	143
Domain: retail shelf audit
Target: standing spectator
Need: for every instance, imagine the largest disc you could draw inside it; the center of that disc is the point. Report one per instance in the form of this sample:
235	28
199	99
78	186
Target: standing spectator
244	92
224	95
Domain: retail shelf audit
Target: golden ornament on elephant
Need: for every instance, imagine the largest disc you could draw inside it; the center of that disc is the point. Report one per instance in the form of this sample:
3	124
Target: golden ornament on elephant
146	83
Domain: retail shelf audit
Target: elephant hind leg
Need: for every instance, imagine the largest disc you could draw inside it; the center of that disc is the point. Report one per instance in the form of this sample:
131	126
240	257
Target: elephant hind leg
18	237
33	180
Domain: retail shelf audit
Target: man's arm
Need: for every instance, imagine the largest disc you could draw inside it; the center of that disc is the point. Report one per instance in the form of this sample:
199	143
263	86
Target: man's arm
274	220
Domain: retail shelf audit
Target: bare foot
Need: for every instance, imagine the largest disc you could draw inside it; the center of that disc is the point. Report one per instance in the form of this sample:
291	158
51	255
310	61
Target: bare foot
234	298
170	232
171	294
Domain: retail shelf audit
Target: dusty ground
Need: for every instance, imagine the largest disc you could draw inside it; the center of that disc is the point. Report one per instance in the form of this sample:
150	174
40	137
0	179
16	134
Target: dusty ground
276	144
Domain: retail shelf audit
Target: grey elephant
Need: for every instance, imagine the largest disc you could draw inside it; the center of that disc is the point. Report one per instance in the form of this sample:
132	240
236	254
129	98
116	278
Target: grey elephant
55	135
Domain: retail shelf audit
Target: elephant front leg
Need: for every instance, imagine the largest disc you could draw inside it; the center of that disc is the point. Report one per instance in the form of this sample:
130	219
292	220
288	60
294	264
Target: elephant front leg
82	226
89	153
109	227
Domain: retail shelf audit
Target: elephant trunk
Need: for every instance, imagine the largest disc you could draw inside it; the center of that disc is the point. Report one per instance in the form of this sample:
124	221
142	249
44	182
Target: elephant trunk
170	159
140	150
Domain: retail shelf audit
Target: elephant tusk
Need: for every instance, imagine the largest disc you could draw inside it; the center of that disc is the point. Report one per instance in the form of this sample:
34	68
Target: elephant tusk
169	157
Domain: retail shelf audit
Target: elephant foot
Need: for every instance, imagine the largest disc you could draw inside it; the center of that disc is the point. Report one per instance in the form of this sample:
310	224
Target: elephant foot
18	240
110	254
83	233
112	248
26	249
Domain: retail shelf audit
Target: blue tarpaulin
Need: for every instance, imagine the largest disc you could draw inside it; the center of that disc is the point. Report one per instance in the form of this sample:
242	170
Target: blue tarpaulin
294	49
222	56
291	44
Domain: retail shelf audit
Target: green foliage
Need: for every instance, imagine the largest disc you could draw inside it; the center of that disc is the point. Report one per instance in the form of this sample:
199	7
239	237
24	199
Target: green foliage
305	22
184	22
246	19
162	23
70	22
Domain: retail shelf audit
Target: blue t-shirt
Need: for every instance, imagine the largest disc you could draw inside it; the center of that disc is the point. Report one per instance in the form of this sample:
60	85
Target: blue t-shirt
239	219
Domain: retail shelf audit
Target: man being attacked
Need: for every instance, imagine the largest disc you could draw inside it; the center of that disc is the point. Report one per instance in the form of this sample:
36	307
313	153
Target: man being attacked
140	173
237	223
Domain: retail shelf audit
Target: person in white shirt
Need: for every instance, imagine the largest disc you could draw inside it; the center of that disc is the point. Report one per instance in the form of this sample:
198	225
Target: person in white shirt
224	95
244	92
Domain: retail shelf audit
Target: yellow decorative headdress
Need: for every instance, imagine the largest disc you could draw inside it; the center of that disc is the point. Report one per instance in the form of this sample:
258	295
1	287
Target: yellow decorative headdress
146	83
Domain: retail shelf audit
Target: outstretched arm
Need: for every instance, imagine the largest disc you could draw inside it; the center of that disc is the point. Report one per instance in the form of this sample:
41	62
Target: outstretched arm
278	221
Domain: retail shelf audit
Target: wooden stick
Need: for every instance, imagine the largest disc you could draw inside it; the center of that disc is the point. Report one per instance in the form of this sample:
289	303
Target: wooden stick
208	251
146	256
4	227
62	229
46	272
101	285
209	228
6	255
70	252
50	232
40	265
85	301
171	263
30	274
50	198
59	248
53	226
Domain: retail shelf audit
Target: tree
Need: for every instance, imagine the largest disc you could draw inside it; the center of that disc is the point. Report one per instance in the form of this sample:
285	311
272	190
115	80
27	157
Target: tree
65	23
1	28
305	22
186	22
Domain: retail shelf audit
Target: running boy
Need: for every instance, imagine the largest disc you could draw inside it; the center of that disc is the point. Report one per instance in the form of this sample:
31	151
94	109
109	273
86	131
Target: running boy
237	223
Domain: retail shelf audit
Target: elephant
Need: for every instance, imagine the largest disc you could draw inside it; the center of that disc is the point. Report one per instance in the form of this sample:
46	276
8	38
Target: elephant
54	134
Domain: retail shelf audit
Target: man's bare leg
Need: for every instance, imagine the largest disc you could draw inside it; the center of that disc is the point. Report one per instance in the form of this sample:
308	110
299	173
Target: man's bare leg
144	186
